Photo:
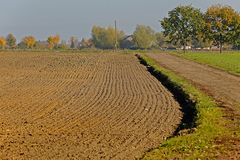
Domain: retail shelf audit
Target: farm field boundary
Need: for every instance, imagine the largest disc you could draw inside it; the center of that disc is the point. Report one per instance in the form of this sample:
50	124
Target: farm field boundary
199	142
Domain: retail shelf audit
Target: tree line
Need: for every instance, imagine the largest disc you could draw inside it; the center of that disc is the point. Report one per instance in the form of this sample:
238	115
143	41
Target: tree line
185	26
28	42
218	26
101	37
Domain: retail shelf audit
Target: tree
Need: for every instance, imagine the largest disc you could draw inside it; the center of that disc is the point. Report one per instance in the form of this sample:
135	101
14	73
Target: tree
236	39
104	38
73	42
53	41
164	42
222	25
161	40
236	44
11	40
183	24
144	37
3	42
29	41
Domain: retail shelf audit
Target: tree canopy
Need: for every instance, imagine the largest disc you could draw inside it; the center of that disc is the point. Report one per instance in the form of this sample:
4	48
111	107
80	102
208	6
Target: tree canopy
144	37
105	38
11	40
183	24
222	25
29	41
2	42
53	41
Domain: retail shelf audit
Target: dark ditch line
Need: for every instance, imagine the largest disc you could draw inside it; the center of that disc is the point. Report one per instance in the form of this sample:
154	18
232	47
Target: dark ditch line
188	122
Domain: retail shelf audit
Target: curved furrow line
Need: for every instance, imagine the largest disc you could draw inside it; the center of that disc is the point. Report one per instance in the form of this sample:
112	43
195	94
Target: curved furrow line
17	95
118	98
26	92
128	118
150	116
124	101
86	106
39	98
141	112
109	104
103	101
64	94
93	97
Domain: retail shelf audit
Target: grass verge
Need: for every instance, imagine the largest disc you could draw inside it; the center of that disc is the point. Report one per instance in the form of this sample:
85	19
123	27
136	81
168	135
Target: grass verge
199	143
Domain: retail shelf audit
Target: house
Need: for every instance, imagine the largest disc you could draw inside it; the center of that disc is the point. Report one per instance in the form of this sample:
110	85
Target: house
127	42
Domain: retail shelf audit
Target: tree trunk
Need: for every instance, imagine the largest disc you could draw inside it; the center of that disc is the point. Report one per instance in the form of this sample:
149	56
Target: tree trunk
221	42
221	46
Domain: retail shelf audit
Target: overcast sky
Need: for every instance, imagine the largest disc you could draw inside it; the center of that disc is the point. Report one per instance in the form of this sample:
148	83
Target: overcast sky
76	17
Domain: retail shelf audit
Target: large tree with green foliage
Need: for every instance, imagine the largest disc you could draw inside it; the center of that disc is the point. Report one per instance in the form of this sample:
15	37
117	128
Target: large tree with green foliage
105	38
11	40
144	37
183	24
222	25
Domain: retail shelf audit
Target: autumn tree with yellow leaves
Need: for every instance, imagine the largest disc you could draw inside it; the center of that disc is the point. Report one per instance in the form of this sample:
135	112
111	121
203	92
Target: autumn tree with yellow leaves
53	41
29	41
3	42
222	25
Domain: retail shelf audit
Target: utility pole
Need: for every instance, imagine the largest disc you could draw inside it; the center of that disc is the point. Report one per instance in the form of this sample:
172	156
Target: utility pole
116	38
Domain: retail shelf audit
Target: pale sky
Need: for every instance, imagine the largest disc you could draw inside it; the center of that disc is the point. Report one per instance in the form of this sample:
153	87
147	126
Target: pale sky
42	18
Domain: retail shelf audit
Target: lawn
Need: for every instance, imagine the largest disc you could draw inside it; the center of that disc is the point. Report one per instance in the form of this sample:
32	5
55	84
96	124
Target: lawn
228	61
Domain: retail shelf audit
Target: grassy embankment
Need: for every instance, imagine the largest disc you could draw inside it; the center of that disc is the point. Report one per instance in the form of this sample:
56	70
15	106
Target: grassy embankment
228	61
201	143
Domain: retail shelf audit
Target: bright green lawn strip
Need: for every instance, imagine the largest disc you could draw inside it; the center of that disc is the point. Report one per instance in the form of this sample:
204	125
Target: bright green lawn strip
229	62
199	144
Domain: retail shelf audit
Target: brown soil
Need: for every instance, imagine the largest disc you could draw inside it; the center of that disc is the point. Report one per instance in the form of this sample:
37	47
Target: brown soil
223	87
81	106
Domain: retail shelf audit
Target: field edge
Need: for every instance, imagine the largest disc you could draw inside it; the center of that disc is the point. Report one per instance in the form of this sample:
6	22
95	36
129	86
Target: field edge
198	142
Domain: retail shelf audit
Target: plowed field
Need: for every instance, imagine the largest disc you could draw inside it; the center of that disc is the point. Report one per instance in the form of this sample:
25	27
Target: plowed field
81	106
